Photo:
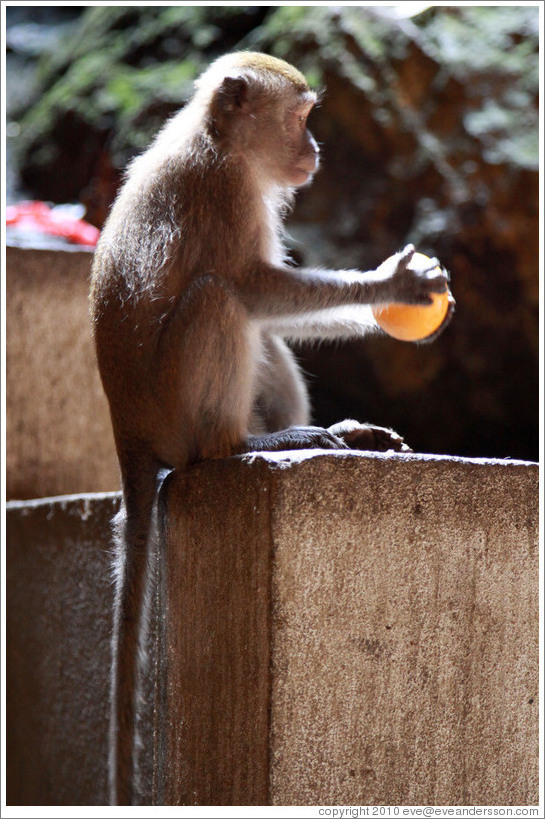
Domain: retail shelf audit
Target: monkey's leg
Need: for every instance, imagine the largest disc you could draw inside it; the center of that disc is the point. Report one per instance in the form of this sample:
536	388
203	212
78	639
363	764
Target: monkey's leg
369	437
279	404
282	398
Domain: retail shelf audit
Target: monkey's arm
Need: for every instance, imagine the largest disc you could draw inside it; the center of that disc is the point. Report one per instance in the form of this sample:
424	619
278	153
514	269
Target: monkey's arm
353	321
276	293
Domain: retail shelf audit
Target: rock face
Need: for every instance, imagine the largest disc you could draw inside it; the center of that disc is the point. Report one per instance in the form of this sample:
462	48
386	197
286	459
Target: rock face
429	134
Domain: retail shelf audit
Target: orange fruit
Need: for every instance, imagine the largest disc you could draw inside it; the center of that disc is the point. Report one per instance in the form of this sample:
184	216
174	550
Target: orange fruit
411	322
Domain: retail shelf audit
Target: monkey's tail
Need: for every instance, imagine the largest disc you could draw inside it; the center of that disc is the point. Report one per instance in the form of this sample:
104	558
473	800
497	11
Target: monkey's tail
136	541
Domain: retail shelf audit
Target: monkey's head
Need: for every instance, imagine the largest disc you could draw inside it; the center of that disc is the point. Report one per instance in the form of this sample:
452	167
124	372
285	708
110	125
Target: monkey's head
258	107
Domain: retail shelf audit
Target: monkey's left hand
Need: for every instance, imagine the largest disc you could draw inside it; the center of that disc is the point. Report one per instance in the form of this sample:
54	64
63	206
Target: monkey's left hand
369	437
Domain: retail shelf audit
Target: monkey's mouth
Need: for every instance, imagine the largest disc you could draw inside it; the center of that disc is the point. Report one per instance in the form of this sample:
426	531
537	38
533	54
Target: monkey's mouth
300	178
309	166
306	172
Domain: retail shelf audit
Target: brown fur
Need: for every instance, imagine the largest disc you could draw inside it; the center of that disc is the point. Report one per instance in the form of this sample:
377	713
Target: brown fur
191	300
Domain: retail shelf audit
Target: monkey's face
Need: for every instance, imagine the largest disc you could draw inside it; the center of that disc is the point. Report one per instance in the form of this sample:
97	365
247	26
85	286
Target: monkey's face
301	157
265	120
282	147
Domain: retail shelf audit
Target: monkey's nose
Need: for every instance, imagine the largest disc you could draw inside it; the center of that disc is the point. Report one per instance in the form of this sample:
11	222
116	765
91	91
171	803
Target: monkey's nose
311	158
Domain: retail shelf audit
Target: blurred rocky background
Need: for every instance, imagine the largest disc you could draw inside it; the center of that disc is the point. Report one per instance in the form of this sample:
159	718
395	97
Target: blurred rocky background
429	133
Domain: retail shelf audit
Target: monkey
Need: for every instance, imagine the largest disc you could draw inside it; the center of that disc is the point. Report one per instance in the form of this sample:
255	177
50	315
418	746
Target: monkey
193	298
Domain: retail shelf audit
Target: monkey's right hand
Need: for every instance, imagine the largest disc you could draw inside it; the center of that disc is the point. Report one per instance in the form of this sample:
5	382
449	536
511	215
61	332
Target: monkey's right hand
410	284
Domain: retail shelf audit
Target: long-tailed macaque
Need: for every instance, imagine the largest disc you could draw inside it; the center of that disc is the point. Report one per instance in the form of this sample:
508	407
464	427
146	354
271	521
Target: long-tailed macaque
192	300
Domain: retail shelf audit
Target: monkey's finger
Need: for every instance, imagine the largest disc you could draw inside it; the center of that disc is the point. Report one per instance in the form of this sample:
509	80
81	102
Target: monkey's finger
406	254
330	441
436	282
444	324
433	263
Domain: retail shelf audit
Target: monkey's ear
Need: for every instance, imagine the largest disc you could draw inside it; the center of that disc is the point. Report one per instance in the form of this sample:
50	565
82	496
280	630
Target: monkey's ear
232	95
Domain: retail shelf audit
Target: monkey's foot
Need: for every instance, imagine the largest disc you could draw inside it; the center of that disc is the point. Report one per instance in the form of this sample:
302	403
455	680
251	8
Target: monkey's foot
296	437
369	437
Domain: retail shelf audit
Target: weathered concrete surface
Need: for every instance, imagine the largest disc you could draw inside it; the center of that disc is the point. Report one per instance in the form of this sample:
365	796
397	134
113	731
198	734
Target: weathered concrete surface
218	635
59	599
58	426
401	600
341	629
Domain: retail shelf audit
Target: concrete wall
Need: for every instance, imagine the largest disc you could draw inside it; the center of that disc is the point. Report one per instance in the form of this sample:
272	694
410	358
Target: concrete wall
340	629
58	426
58	605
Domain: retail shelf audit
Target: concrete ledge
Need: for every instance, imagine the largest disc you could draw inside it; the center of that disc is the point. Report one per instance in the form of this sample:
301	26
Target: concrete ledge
353	629
340	629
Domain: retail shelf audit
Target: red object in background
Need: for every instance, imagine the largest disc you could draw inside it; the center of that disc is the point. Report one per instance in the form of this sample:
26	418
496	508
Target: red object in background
40	217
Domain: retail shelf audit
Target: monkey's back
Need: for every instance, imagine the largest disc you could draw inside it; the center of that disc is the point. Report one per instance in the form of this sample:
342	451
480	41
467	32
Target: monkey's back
179	221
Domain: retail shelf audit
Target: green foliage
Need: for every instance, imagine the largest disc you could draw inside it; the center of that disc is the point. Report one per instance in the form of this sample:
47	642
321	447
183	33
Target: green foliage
128	67
497	47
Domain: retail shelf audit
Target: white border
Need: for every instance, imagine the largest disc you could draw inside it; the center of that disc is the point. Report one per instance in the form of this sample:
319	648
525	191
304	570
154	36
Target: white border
24	812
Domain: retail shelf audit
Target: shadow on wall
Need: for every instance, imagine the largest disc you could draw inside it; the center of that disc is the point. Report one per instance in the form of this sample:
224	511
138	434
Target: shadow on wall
59	438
